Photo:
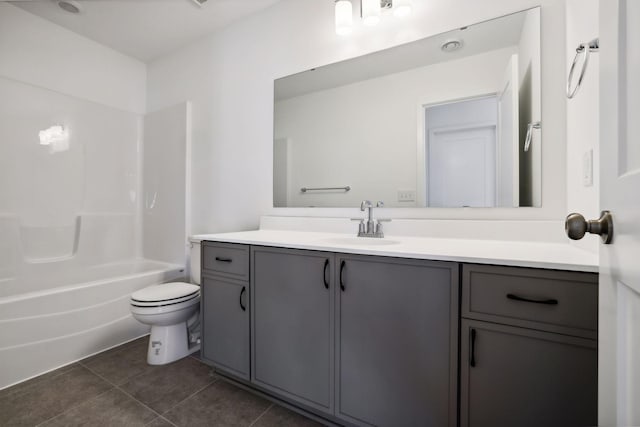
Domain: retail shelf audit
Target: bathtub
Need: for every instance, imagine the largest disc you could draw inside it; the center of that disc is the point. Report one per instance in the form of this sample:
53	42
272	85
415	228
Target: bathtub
82	312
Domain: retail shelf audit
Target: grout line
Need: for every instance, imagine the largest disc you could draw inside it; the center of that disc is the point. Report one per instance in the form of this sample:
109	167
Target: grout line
215	380
26	388
117	387
75	406
162	418
261	415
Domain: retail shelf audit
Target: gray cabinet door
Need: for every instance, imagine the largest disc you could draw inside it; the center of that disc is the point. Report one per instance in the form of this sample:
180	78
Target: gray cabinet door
225	325
397	336
522	377
292	324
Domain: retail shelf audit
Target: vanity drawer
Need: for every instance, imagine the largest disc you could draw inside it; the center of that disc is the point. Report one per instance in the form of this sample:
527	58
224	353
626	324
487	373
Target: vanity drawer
226	259
556	301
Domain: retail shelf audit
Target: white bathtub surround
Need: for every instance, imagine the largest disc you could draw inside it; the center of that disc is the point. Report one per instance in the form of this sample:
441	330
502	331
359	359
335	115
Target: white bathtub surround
86	313
71	205
558	256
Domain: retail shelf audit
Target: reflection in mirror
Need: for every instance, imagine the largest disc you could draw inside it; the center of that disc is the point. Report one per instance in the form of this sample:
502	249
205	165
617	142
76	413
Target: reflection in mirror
440	122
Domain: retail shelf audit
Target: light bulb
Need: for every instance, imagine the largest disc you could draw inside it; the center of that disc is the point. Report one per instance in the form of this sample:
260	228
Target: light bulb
401	8
344	17
370	12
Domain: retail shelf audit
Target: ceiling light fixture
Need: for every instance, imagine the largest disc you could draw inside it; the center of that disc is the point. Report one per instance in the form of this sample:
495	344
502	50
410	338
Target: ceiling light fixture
370	12
344	17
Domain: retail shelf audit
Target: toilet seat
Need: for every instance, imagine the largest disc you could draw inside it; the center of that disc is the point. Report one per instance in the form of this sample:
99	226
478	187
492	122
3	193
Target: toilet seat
152	310
166	294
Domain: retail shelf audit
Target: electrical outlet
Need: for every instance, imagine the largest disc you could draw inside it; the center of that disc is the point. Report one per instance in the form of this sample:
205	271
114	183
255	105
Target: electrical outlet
406	195
587	168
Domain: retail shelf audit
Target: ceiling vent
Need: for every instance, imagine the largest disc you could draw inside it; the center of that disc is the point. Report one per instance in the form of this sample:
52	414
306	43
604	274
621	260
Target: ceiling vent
451	45
69	6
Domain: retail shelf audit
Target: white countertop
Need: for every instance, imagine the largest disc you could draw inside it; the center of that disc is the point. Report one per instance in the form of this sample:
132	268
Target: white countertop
557	256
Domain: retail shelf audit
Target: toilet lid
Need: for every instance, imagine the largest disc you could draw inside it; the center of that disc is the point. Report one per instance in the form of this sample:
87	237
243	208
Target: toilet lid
166	292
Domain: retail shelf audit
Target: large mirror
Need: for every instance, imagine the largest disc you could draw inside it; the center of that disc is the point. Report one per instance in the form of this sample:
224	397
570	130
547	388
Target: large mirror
452	120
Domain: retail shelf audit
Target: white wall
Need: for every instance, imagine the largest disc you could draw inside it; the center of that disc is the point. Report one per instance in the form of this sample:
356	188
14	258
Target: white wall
229	77
583	117
38	52
341	136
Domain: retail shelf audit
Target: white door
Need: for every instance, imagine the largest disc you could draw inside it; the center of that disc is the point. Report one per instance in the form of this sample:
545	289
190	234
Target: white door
461	166
619	311
508	151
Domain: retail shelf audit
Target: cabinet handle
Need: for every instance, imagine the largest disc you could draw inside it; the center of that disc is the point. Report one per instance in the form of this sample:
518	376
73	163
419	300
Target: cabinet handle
535	301
324	276
223	259
342	263
472	357
242	306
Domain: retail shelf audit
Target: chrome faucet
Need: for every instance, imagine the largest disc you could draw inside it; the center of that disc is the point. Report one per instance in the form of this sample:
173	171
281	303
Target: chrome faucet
370	228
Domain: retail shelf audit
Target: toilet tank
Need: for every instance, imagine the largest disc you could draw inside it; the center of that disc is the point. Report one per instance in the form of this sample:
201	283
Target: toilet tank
194	256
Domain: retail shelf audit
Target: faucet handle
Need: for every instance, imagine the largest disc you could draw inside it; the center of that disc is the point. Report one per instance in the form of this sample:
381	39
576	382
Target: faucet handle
380	204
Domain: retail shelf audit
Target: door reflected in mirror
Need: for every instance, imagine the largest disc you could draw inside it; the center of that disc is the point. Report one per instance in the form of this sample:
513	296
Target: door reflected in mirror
440	122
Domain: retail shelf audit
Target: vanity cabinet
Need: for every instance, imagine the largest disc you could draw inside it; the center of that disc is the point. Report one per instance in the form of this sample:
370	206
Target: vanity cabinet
225	308
397	335
365	340
293	324
528	347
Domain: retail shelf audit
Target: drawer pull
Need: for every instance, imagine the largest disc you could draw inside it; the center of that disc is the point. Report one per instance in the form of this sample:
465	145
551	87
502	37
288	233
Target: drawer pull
324	277
472	357
223	259
242	292
535	301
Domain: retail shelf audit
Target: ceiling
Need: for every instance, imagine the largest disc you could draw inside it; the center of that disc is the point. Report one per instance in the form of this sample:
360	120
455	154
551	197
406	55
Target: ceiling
145	29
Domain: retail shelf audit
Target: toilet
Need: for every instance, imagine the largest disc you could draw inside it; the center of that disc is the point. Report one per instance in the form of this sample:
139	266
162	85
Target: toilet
172	311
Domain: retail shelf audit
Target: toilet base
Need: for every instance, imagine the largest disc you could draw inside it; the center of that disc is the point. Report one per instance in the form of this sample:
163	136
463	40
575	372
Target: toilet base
169	343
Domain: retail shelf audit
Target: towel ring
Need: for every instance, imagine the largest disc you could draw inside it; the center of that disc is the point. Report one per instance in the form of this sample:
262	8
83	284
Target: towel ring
530	128
586	48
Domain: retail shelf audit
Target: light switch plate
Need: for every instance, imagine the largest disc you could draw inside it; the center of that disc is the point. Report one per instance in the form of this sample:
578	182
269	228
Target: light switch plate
587	168
406	195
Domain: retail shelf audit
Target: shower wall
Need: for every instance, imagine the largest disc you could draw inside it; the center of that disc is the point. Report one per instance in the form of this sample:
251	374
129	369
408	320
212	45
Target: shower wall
66	201
90	209
70	136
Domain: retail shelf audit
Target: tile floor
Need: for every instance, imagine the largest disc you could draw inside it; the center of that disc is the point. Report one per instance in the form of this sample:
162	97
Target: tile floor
118	388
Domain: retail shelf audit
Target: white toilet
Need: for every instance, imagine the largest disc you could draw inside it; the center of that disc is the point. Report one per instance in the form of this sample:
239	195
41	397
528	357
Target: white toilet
172	310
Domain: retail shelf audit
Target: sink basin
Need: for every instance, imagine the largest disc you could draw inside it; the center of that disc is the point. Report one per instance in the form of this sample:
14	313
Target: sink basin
361	241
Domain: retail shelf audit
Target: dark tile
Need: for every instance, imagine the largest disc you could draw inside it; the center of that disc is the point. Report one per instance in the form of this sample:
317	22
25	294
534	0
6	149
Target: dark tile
164	386
121	364
51	397
135	343
221	405
160	422
277	416
35	381
113	408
